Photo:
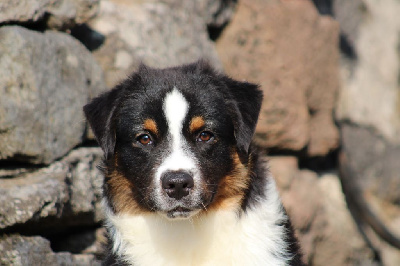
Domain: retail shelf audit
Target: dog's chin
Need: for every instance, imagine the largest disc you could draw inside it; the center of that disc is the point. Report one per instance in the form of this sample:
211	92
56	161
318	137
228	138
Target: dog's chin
179	213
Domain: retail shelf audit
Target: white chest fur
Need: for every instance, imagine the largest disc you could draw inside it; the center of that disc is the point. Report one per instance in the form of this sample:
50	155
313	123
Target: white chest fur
216	238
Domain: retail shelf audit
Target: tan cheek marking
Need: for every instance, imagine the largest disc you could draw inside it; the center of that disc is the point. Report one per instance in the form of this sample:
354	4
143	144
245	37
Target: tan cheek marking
150	125
232	187
121	195
196	123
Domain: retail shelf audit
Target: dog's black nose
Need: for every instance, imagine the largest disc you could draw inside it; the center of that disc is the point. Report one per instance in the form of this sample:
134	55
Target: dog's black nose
177	184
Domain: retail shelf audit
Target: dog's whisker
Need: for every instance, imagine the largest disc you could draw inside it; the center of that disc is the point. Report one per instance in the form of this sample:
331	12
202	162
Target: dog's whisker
204	207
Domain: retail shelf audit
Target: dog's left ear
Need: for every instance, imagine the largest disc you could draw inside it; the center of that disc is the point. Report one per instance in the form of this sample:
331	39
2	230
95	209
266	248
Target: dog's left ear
99	113
244	107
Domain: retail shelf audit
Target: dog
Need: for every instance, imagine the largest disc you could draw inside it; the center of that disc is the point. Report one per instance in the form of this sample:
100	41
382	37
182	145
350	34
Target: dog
184	184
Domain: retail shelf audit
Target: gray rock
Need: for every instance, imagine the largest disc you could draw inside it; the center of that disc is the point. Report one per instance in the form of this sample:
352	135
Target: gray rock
374	159
350	14
61	13
45	79
160	34
370	88
57	194
20	250
67	13
375	163
215	13
368	109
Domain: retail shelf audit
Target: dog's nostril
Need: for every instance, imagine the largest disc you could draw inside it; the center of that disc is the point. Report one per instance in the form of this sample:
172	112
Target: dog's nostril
177	184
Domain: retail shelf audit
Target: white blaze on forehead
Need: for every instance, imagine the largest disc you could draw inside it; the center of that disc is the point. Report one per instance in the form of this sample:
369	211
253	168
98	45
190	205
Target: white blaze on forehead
175	110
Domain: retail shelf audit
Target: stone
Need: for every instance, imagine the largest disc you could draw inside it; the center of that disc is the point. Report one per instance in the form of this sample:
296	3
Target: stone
67	13
340	242
22	250
375	171
284	167
66	193
45	79
159	34
374	160
317	208
368	109
350	15
58	14
274	43
370	94
216	13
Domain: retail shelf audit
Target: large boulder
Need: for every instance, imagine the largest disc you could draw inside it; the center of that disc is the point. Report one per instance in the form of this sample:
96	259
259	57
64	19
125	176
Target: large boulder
58	14
66	193
157	33
291	51
45	79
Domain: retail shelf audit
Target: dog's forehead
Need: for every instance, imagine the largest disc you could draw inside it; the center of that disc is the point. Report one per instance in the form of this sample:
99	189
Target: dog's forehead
160	100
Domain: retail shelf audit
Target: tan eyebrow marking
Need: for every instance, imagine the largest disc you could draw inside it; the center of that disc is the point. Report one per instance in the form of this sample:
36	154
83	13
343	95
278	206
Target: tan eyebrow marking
196	123
150	125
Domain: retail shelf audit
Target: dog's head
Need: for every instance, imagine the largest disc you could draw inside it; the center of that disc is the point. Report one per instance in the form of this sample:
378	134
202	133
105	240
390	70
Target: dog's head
176	140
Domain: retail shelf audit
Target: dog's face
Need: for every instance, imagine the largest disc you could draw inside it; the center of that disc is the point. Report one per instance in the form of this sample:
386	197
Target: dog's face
176	140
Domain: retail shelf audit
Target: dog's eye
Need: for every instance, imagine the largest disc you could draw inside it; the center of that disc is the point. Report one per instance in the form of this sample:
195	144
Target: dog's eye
144	139
205	136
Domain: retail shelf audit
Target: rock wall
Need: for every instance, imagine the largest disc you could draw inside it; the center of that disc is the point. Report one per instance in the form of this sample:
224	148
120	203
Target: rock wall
292	52
57	54
368	109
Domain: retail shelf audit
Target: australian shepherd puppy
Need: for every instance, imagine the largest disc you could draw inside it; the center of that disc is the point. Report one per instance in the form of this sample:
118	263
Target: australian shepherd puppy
184	185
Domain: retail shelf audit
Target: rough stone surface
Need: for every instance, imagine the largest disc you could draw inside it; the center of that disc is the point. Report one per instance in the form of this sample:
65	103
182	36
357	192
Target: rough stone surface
159	34
373	158
274	43
371	93
318	211
45	80
376	162
368	109
66	193
61	13
350	15
217	13
20	250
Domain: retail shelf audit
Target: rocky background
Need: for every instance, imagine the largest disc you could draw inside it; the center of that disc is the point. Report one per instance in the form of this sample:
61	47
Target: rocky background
330	74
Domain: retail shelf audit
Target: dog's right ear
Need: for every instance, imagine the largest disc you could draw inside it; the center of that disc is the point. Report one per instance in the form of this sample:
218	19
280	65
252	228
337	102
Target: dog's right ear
99	113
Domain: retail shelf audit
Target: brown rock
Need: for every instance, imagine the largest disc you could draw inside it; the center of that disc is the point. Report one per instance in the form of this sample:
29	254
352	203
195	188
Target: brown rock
284	168
318	211
291	51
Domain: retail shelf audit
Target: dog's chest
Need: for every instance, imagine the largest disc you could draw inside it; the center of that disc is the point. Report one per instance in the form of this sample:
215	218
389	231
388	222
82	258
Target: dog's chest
220	238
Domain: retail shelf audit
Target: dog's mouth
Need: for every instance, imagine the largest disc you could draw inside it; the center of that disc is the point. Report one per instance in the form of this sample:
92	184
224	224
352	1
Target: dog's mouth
181	213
